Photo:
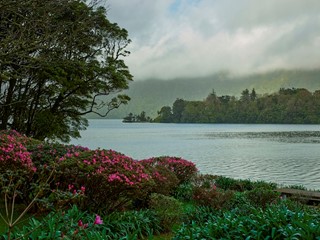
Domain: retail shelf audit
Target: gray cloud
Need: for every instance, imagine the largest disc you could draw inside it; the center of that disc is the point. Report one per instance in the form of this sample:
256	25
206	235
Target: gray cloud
180	38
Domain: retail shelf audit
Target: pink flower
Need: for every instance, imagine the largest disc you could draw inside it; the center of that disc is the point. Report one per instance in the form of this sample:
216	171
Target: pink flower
80	223
98	220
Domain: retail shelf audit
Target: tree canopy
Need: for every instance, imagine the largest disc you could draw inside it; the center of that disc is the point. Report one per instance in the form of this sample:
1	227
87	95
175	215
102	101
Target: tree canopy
291	105
59	60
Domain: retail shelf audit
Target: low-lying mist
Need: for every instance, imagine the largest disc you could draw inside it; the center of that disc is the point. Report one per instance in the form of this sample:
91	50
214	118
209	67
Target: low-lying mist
150	95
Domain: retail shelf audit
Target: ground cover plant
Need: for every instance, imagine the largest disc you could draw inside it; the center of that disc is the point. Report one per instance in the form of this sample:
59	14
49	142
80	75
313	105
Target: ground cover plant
57	191
275	222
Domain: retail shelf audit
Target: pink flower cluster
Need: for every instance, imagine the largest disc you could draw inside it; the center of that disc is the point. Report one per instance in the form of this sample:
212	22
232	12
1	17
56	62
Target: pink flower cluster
117	167
73	151
74	191
58	152
97	221
14	152
183	169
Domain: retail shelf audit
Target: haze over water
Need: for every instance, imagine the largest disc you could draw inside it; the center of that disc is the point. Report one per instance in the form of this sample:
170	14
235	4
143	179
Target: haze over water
285	154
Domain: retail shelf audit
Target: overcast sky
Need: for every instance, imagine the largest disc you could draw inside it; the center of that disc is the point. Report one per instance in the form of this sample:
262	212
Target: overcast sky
181	38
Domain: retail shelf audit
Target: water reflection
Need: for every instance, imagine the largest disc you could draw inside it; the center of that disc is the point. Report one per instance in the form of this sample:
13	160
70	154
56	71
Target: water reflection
287	137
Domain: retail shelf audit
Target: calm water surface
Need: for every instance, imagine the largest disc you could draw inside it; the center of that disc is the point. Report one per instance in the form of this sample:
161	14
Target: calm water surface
285	154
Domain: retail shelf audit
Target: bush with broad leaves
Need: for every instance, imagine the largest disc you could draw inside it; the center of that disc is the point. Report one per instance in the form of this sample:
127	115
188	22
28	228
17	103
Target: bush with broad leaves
183	169
112	180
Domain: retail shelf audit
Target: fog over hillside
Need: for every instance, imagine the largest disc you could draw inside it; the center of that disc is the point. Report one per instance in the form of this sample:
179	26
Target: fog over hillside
151	95
181	49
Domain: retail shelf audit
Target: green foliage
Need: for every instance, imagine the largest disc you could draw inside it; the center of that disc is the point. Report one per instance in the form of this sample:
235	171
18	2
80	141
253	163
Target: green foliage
168	210
140	223
56	176
164	115
299	187
241	185
262	197
184	192
165	181
75	224
58	61
239	201
221	192
294	106
212	197
137	118
177	110
275	222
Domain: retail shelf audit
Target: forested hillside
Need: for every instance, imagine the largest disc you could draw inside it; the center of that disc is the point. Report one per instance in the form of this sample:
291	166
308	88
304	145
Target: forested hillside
289	106
151	95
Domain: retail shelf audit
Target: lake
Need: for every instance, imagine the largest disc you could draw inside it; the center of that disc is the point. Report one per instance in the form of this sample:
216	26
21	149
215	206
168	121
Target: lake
285	154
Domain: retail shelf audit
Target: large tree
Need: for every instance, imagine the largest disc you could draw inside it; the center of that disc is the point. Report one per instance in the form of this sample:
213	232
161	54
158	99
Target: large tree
59	60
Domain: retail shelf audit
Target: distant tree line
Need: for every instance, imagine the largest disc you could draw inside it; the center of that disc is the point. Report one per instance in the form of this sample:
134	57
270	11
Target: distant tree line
142	117
291	106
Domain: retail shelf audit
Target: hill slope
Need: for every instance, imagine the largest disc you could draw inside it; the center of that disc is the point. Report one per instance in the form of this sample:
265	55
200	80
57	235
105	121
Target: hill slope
151	95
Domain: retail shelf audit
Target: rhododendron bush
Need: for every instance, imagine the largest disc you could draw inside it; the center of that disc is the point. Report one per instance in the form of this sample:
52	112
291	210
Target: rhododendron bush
183	169
165	181
99	179
13	153
112	180
16	166
47	153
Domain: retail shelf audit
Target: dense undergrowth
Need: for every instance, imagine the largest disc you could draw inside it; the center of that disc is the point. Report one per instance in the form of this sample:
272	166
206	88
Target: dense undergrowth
73	192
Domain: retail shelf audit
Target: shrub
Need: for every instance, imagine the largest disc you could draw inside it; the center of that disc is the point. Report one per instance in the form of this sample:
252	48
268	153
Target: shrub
44	154
20	179
165	181
168	210
240	202
183	169
184	192
262	197
212	197
241	185
111	179
162	182
13	154
204	180
16	166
